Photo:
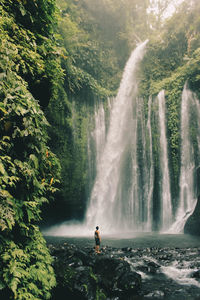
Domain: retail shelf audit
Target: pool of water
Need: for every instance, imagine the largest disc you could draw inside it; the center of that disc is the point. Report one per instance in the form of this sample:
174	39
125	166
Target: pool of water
136	240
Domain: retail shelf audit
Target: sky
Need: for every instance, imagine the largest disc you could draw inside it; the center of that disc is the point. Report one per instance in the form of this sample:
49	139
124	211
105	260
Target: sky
172	7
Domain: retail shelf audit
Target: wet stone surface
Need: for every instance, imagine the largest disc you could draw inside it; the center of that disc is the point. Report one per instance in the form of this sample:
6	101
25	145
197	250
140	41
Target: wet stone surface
126	273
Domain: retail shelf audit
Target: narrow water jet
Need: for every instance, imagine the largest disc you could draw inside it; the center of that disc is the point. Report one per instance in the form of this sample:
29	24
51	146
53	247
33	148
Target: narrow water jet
95	143
150	174
188	197
165	195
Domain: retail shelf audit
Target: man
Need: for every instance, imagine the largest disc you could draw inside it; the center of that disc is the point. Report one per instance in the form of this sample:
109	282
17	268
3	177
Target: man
97	240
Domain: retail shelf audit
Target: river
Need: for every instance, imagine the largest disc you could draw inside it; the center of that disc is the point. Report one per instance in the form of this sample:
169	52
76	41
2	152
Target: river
168	264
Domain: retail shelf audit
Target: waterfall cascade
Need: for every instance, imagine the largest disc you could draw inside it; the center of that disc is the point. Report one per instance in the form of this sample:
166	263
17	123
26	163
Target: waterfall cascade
117	199
190	109
121	163
122	196
165	195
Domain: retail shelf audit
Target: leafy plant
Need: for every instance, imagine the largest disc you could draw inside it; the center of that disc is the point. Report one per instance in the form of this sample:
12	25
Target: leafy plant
29	171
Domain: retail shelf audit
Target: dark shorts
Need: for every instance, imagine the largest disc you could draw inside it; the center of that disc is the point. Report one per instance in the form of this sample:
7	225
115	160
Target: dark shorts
97	241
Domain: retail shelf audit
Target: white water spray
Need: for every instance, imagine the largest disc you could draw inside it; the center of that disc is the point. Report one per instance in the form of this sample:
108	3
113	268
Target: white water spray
150	178
187	199
106	207
121	167
166	205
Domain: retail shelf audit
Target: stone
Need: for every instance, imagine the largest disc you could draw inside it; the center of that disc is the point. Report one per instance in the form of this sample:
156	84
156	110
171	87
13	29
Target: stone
155	294
196	274
84	257
192	225
129	282
116	276
152	267
84	283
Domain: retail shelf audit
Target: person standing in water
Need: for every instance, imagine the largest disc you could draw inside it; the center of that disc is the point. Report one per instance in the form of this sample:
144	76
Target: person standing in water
97	239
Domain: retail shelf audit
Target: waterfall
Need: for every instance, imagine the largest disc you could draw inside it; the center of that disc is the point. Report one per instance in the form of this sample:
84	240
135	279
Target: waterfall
114	198
166	205
100	131
96	142
187	198
124	193
150	174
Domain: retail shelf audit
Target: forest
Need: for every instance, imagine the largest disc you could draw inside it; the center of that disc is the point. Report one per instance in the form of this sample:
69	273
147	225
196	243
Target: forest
59	60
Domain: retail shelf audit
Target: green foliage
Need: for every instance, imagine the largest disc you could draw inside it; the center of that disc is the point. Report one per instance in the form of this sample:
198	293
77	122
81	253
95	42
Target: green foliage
172	59
29	171
37	16
90	63
36	58
27	270
80	82
98	37
69	141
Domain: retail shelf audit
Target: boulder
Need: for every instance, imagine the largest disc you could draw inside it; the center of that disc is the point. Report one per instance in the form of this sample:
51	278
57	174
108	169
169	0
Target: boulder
155	294
192	225
81	274
196	274
86	258
115	276
152	267
74	283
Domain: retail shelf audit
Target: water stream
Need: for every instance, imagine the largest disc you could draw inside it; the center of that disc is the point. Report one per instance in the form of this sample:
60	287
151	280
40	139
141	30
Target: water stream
188	197
115	201
165	195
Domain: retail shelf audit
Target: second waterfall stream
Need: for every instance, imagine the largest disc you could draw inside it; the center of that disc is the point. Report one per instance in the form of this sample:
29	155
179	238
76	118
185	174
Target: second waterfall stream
124	197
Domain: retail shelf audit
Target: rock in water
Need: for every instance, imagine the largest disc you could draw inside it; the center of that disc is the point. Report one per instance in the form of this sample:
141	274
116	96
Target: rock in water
116	276
192	225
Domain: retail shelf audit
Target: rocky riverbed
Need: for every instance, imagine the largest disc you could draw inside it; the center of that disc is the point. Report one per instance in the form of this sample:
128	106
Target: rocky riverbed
170	273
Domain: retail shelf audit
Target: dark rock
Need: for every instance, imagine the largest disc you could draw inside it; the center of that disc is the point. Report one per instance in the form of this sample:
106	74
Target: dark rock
142	268
127	249
129	282
78	283
192	225
109	269
84	283
116	275
155	294
152	267
196	274
84	257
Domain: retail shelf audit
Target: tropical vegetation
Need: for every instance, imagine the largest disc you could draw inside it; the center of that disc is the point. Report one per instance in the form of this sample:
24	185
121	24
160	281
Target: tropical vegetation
59	60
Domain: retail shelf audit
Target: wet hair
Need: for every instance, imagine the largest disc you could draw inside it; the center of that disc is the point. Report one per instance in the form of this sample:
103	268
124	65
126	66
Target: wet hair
97	227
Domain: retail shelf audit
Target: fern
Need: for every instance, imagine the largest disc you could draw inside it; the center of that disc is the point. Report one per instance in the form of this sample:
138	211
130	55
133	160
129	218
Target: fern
26	171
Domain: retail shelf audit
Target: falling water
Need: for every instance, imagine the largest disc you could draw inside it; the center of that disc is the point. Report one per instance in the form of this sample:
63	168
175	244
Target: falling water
166	206
108	204
121	166
142	175
100	131
187	199
150	174
96	142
